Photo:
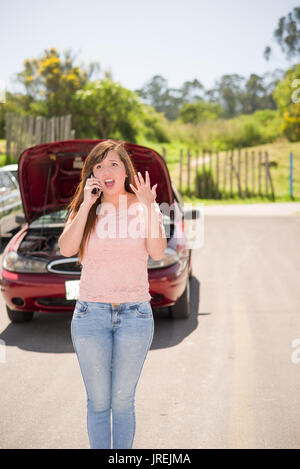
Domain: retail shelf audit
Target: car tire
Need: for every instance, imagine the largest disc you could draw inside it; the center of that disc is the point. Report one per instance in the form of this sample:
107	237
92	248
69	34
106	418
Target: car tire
181	309
190	267
19	316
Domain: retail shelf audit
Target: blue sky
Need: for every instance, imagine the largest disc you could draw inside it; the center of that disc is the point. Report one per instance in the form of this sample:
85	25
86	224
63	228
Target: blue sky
135	40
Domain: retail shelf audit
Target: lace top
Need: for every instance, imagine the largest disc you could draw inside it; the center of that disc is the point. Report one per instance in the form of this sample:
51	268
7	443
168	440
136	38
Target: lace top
114	264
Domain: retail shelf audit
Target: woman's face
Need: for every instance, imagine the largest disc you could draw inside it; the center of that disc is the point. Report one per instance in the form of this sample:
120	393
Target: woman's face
112	167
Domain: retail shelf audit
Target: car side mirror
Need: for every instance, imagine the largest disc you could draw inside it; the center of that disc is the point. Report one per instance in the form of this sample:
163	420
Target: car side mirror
191	213
193	227
20	219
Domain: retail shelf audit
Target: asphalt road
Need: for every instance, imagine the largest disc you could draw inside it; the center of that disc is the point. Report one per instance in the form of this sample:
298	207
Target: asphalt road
228	377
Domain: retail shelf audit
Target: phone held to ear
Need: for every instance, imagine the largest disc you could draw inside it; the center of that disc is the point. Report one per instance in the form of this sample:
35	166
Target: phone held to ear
96	190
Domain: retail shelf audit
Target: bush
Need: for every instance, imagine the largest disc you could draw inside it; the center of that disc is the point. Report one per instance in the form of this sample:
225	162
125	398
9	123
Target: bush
286	95
154	126
2	121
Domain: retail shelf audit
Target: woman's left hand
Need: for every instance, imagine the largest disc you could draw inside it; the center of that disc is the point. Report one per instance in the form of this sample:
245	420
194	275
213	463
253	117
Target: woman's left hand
144	193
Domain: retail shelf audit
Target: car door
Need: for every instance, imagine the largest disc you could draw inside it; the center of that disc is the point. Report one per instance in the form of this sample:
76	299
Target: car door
10	202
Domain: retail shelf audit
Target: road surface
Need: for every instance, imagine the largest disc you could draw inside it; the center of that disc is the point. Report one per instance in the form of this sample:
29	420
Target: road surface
228	377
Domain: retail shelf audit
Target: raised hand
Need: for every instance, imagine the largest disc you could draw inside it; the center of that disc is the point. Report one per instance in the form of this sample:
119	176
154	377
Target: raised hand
144	193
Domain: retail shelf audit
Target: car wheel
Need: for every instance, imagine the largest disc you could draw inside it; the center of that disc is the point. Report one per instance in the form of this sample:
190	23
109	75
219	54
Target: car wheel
190	267
181	309
19	316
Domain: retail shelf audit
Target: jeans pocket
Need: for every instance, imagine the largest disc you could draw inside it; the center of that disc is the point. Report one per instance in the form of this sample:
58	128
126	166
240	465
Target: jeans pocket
143	310
81	308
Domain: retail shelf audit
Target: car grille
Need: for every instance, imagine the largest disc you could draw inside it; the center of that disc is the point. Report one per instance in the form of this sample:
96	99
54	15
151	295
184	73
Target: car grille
64	266
55	302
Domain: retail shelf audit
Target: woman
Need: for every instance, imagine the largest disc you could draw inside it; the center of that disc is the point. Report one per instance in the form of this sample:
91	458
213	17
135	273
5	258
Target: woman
112	325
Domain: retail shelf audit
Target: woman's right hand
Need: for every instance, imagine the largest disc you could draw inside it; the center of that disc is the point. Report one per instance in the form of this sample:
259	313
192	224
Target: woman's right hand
88	197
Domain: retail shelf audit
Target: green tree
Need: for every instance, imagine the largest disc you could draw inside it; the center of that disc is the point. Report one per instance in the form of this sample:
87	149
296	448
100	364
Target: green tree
104	109
169	100
199	112
157	94
257	95
52	79
287	97
287	35
192	91
229	91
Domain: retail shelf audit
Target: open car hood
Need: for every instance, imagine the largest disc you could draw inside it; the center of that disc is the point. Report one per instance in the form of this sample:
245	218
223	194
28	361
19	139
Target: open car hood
49	174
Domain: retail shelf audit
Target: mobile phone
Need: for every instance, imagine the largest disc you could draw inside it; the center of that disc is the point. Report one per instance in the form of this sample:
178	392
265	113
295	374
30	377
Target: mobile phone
96	190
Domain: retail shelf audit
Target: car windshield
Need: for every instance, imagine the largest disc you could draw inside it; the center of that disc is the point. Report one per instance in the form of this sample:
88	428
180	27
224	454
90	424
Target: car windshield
54	218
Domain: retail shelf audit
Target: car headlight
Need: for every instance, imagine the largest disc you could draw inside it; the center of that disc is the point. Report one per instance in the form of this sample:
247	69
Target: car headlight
170	258
14	262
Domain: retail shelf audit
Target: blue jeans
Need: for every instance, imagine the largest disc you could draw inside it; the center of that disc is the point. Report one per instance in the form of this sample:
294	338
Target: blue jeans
111	341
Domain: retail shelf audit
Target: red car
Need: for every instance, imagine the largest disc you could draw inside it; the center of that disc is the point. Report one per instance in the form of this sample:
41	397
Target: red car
36	277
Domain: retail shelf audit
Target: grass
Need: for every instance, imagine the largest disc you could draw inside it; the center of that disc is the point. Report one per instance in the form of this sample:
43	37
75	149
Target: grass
236	200
279	155
2	152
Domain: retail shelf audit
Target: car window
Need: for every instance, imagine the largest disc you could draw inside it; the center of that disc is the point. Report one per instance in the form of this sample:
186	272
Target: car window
15	175
6	181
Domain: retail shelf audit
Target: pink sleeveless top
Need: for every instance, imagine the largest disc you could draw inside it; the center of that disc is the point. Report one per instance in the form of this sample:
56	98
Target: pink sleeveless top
114	264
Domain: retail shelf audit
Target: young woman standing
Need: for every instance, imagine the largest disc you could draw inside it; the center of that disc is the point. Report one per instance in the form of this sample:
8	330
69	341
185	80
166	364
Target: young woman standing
113	231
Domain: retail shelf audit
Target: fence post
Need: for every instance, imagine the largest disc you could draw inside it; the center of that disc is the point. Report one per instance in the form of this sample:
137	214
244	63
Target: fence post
259	173
196	179
52	129
203	179
8	135
189	170
23	131
210	173
30	130
246	174
253	173
225	171
43	129
266	172
180	170
231	170
271	183
217	175
19	129
61	127
67	126
239	171
291	175
48	134
56	128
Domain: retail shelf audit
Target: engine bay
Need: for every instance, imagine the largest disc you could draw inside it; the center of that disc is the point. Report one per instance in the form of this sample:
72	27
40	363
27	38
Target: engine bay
40	244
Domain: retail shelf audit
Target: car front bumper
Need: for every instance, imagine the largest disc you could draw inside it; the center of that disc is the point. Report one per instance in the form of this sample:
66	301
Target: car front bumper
47	293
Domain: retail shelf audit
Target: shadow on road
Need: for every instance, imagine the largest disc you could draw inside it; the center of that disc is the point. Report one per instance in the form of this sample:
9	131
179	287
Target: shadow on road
50	333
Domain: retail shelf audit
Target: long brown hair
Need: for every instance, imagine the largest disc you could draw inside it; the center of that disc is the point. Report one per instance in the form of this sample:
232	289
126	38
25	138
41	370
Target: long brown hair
97	154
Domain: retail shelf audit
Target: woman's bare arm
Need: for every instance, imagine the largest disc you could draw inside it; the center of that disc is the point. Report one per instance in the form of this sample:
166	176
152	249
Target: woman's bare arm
156	241
70	239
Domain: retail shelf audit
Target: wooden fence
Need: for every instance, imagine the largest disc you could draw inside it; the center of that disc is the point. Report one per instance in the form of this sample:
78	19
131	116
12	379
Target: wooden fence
25	131
235	172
